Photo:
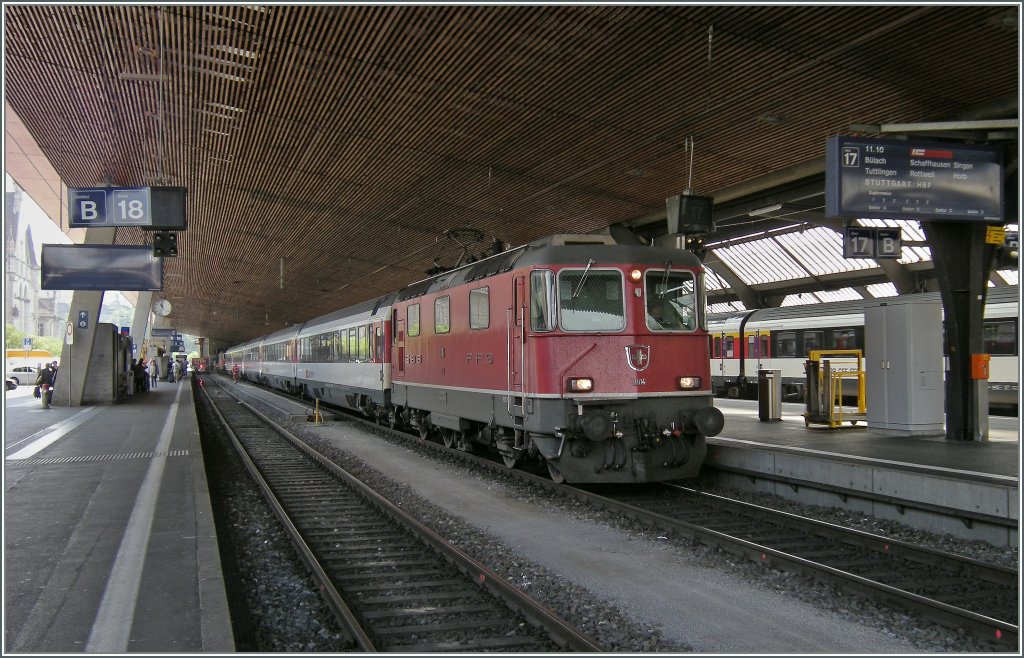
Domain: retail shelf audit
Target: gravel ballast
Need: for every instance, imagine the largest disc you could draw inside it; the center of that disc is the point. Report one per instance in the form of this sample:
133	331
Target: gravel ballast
619	629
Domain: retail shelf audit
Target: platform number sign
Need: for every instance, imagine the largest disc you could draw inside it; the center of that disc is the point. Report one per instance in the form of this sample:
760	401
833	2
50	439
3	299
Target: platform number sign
109	206
865	242
888	243
851	156
859	243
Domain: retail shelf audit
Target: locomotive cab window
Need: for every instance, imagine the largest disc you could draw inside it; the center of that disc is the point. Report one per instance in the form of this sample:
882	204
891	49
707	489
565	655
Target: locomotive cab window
542	300
672	300
591	300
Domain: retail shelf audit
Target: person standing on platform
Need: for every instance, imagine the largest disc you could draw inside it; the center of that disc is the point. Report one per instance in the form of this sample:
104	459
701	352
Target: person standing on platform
234	373
138	375
45	383
154	373
177	370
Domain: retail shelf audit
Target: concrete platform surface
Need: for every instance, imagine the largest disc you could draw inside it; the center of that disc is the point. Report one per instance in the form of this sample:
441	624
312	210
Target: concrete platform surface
109	542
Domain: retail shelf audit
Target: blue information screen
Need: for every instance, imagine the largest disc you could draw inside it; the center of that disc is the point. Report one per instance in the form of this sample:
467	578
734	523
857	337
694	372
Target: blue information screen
891	179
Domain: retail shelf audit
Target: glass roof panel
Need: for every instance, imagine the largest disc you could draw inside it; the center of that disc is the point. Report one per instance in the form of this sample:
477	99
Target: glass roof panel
877	290
841	295
712	281
761	261
800	299
820	250
726	307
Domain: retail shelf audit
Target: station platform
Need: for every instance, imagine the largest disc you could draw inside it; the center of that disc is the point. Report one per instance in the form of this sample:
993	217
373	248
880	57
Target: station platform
109	539
876	470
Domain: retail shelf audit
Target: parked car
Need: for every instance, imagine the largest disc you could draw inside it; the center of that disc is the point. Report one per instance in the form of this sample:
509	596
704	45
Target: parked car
22	375
10	384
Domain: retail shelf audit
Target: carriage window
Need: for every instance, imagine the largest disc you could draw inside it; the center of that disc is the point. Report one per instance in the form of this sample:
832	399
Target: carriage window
716	350
785	343
479	308
542	300
343	343
671	300
364	344
412	320
353	346
591	300
441	314
1000	337
730	350
752	349
813	340
844	339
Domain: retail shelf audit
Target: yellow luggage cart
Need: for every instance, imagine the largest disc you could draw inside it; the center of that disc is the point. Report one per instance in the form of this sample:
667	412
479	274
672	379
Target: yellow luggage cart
826	372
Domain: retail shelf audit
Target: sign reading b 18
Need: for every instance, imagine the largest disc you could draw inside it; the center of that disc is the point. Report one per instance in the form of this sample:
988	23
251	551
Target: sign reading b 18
109	206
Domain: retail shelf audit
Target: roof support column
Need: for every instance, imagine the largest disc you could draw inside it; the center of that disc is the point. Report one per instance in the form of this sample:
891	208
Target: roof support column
74	358
962	265
140	323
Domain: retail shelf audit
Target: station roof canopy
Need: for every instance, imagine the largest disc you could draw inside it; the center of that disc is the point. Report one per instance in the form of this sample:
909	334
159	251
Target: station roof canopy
332	153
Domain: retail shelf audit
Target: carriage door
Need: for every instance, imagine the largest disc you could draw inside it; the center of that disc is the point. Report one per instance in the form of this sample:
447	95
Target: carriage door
718	358
515	321
398	330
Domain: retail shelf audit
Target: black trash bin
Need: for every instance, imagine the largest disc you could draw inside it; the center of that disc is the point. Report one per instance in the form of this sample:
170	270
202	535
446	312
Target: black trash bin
769	395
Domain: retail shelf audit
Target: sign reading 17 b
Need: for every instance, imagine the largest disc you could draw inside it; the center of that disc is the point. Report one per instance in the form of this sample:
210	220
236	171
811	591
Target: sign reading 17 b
109	206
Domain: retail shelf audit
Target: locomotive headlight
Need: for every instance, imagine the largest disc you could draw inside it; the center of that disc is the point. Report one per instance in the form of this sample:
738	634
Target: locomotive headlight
689	383
634	275
581	384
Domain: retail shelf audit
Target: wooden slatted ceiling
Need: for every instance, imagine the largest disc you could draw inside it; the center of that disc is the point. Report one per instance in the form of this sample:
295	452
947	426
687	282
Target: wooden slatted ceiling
348	139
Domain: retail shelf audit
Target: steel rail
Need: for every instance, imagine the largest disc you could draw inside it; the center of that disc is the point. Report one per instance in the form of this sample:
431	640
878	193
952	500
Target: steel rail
327	589
1002	631
559	630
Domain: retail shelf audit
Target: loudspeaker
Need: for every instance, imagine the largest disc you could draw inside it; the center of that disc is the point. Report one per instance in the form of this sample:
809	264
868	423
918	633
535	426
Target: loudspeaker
165	243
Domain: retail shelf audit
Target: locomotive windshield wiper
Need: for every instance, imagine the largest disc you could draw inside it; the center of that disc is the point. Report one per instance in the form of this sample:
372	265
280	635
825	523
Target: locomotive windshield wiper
664	282
583	278
665	292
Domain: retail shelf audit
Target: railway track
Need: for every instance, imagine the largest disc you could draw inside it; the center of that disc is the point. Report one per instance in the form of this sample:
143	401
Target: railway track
948	589
393	583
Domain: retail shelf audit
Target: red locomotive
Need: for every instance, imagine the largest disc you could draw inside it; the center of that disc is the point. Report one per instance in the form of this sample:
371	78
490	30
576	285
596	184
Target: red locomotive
589	355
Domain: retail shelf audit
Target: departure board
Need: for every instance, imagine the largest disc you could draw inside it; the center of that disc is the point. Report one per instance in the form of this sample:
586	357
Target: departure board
893	179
